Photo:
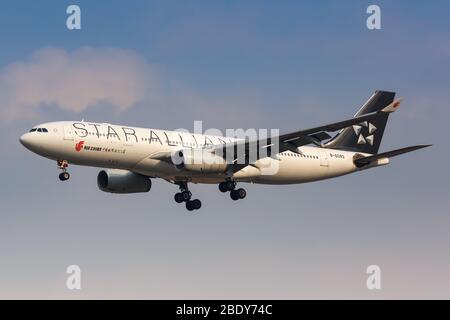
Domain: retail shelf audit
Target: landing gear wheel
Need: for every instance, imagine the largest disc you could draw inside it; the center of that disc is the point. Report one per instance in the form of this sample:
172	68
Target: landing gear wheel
62	165
186	195
230	185
241	193
197	204
63	176
178	198
234	195
223	187
190	205
238	194
193	205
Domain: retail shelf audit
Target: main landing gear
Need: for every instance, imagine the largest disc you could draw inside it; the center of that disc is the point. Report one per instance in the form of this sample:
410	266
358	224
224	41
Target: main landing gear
62	165
185	196
230	185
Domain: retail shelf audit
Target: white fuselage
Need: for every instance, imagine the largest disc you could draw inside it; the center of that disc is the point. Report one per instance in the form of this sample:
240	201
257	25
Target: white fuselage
137	149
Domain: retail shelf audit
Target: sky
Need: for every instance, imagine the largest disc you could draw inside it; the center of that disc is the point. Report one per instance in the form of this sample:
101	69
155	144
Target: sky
232	64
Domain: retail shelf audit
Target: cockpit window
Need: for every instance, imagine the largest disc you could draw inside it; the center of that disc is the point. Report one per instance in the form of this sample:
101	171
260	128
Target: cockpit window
39	130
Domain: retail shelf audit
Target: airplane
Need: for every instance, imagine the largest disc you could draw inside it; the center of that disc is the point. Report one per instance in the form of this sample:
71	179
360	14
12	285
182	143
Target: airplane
134	156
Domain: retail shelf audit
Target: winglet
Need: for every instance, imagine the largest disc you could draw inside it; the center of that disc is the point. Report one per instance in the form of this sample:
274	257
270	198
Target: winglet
392	107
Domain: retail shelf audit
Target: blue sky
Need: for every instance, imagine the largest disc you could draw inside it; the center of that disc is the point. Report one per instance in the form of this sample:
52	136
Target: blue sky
260	64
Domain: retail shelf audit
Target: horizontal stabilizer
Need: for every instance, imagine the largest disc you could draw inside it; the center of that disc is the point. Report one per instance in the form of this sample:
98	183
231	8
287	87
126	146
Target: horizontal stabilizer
393	153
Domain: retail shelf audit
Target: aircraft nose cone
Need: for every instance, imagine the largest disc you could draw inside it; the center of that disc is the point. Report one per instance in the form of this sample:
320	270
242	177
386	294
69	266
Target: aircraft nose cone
25	140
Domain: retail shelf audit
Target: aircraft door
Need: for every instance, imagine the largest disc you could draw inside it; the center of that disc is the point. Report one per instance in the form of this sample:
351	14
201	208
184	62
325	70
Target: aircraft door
68	132
323	158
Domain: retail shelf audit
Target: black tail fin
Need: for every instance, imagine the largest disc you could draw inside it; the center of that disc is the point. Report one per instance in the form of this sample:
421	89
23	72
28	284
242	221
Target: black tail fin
365	137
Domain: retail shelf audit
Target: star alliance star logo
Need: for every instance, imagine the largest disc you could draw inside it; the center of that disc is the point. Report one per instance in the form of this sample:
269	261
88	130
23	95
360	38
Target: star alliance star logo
364	138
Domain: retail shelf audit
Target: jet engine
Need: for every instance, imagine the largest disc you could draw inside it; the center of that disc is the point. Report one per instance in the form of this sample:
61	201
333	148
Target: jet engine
122	181
200	160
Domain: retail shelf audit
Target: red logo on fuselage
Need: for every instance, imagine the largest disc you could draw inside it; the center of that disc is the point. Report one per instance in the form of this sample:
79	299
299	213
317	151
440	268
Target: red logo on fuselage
79	146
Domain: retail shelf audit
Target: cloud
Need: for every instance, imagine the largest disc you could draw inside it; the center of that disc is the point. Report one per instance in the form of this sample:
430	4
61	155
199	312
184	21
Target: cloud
120	79
74	80
116	78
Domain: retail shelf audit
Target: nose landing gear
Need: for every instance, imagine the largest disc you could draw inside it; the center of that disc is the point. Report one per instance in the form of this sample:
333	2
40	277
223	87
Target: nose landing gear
185	196
62	165
230	185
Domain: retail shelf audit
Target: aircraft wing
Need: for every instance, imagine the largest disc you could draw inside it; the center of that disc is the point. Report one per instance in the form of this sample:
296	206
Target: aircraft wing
241	150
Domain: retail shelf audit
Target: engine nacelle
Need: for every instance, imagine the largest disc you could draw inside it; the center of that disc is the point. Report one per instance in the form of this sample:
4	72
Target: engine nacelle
200	160
122	181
